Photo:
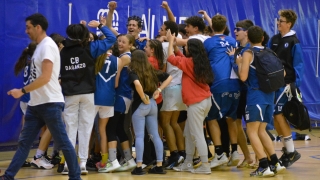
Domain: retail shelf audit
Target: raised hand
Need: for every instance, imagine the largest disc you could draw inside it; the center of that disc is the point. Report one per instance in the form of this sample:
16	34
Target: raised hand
94	23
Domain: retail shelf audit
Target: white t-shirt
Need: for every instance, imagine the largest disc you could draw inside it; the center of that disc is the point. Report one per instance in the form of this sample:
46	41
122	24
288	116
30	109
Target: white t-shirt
199	36
175	72
50	92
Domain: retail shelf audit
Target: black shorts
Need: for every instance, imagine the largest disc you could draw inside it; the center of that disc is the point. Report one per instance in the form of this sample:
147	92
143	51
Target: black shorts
182	117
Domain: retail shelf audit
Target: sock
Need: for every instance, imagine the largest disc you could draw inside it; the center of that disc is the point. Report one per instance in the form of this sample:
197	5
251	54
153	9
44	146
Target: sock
234	147
112	154
127	154
182	153
274	159
281	139
288	143
39	153
174	153
263	162
104	159
63	160
218	150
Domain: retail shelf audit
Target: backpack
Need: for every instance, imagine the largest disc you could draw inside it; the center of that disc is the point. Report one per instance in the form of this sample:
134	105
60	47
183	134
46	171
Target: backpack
269	70
295	112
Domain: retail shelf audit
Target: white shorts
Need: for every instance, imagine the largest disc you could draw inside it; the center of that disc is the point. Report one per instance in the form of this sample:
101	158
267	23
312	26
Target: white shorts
23	107
172	99
105	111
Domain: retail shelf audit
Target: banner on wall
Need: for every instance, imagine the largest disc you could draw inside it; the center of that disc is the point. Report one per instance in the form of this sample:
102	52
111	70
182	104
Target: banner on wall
263	13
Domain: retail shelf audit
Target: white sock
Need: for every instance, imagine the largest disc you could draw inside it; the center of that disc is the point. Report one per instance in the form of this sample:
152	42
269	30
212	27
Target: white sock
39	153
288	143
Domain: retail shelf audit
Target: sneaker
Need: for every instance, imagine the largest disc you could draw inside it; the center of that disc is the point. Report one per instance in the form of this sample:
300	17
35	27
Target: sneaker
156	170
291	158
196	162
283	158
55	159
234	160
65	171
91	165
138	171
184	167
109	167
3	177
83	168
203	169
262	172
127	165
173	161
152	163
60	168
277	168
26	164
41	163
218	160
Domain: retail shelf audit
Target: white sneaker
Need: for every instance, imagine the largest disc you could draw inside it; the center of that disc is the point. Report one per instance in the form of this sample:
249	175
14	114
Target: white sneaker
127	165
262	172
41	163
218	160
204	168
83	168
184	167
234	160
111	166
278	168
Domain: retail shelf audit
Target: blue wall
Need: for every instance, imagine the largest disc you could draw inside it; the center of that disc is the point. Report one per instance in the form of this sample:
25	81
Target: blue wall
263	12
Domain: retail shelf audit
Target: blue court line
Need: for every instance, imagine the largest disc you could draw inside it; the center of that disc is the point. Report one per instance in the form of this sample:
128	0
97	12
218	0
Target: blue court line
316	157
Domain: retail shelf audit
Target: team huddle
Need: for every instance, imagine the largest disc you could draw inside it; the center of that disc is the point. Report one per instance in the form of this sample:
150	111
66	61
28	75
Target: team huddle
191	85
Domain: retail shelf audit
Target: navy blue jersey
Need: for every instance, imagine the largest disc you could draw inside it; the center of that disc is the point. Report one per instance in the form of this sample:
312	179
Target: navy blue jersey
254	95
124	88
105	83
221	63
26	80
140	44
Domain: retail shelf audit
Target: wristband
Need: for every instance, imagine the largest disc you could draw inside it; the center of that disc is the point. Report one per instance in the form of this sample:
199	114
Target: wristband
100	25
159	90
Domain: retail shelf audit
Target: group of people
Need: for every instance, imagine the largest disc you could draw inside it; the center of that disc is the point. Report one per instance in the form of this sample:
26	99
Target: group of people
90	88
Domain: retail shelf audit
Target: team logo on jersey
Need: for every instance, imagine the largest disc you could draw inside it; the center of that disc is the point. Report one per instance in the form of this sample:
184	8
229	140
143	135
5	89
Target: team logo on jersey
222	38
286	45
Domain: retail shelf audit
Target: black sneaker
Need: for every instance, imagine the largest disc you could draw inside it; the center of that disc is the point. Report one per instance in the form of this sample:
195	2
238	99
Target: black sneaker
91	165
138	171
196	162
60	168
55	159
292	157
283	159
172	161
26	164
156	170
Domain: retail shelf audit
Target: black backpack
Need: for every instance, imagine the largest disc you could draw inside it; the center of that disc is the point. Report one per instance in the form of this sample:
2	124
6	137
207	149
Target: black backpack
295	112
269	70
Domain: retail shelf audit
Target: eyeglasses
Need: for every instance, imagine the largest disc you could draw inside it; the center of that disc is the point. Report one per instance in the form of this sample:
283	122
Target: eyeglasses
280	21
239	29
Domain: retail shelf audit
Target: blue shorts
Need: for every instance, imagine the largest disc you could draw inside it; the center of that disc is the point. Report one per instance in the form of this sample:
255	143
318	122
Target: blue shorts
122	104
259	112
224	105
283	100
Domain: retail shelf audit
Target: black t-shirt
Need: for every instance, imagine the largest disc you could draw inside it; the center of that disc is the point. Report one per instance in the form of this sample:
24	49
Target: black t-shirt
136	97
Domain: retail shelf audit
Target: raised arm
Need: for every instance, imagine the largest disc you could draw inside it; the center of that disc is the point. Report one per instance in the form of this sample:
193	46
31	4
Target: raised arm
206	17
165	5
112	6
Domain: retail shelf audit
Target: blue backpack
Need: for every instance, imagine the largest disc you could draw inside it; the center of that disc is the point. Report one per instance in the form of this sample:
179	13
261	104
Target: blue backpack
269	70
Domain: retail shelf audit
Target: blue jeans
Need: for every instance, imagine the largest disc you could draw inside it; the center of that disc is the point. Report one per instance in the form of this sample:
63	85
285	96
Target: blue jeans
36	117
147	115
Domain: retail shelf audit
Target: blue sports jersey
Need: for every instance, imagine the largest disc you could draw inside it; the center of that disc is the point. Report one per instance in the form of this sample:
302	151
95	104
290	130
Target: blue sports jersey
254	95
26	97
140	45
221	63
105	83
124	88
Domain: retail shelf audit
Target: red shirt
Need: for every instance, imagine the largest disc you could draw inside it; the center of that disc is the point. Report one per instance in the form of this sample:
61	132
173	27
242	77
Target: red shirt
154	62
192	91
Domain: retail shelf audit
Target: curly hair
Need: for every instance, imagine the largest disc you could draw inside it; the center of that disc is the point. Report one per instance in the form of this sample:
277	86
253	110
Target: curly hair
290	16
146	73
24	58
158	51
196	21
172	26
202	68
135	18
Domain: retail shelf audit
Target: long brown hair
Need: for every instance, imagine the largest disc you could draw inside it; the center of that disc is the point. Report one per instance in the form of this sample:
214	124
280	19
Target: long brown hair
158	51
100	59
146	73
23	59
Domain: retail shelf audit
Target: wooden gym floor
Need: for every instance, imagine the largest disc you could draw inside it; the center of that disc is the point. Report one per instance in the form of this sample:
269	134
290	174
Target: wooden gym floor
307	168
